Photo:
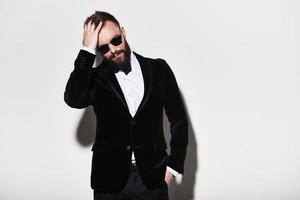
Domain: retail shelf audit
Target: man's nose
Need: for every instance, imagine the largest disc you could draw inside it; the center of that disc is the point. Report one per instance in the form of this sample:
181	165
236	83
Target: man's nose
112	48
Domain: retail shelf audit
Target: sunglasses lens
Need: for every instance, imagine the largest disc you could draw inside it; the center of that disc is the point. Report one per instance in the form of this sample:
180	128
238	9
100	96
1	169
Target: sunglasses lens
103	49
116	41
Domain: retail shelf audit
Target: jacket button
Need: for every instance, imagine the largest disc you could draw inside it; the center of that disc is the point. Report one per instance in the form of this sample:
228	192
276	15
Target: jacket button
128	147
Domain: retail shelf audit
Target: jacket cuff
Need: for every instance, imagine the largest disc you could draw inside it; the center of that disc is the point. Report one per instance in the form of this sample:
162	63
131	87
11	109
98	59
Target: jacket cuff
92	51
178	176
84	60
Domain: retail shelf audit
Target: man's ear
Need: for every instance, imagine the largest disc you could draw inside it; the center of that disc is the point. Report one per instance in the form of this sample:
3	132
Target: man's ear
123	31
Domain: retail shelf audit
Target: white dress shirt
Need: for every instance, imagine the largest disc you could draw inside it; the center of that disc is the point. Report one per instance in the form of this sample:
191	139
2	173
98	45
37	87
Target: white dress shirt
132	86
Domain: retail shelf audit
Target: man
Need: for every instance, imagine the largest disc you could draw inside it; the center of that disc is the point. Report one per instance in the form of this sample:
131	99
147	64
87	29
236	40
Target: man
128	93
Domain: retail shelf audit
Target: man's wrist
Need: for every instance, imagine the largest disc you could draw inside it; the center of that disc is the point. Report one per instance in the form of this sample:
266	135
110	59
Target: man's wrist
93	51
176	175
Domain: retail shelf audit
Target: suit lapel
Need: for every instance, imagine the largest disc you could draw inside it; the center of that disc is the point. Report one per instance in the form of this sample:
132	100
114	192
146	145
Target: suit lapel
107	73
147	76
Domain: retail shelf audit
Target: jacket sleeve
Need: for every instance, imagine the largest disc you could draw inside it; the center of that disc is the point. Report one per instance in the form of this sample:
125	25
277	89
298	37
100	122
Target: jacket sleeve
176	114
78	92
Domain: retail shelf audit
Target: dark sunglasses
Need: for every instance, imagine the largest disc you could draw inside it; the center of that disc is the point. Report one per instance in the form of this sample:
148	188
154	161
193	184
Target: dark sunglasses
116	41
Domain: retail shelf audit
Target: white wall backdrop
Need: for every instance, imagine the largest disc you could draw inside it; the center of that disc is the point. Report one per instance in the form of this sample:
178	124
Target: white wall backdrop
237	63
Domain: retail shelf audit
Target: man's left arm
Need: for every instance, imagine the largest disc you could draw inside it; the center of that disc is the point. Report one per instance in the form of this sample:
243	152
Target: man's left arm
176	114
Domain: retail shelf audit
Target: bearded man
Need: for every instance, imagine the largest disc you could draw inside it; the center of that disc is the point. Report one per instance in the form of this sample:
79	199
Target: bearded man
128	93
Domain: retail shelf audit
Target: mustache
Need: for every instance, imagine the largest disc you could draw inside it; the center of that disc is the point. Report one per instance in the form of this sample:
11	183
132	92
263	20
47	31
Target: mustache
116	54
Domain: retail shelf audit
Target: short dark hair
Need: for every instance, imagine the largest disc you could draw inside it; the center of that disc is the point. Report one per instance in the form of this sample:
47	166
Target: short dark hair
101	16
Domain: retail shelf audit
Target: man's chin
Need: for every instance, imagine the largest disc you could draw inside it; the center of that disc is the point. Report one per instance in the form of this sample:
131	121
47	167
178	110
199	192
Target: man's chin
120	60
117	64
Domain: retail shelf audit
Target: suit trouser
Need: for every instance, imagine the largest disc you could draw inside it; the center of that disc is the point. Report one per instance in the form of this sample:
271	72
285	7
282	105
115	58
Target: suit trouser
135	190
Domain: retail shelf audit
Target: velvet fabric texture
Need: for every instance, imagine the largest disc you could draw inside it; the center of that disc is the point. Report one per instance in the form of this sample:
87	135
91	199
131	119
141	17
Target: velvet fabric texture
118	133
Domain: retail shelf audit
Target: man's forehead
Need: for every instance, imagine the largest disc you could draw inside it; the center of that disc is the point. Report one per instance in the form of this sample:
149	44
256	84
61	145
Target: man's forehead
108	31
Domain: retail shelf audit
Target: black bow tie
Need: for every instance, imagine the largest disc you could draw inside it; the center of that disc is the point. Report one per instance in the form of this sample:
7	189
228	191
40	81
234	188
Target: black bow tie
124	68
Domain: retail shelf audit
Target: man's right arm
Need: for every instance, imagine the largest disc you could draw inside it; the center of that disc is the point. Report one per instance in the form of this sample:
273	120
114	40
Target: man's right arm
77	92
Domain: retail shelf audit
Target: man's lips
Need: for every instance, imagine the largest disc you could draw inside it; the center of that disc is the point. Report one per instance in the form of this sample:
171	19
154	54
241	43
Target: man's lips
117	56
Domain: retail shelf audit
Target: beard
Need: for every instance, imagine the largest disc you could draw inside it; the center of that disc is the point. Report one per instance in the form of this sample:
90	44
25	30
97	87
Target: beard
125	61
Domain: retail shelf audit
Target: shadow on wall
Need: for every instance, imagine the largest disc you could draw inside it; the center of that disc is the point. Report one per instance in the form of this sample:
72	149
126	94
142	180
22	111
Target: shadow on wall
185	190
85	135
86	130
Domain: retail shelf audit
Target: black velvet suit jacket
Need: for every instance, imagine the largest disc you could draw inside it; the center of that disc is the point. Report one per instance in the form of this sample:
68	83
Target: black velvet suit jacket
118	133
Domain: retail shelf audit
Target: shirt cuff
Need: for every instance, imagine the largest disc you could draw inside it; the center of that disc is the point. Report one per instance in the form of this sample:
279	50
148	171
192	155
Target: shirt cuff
93	51
178	176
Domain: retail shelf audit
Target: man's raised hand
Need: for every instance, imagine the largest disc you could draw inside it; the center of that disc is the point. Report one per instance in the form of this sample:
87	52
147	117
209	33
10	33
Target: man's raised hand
90	35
